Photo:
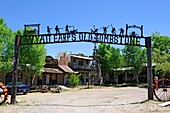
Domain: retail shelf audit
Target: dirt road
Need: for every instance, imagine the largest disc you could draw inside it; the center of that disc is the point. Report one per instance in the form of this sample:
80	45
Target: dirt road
101	100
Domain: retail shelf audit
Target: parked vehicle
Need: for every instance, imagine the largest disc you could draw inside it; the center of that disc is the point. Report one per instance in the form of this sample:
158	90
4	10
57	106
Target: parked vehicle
21	87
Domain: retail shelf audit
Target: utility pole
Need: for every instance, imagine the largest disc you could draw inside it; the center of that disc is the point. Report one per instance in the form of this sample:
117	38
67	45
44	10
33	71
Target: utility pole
15	70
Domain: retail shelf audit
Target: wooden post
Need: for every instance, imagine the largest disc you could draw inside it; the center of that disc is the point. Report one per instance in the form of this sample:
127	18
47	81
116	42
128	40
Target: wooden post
149	68
15	70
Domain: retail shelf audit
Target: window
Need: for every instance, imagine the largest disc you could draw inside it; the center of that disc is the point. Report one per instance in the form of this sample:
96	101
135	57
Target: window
80	62
74	60
87	62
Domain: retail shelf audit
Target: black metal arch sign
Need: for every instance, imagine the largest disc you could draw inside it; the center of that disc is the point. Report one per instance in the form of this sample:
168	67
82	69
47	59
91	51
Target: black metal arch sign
81	37
33	36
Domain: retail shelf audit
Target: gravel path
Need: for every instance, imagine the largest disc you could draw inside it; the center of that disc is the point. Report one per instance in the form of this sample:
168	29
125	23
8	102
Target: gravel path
100	100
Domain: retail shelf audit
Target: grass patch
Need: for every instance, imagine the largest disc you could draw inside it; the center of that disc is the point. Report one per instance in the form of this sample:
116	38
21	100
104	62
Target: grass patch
143	85
125	85
4	104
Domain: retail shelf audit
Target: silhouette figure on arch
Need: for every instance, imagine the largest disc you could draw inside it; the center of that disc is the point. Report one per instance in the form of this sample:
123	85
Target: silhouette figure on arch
49	30
105	29
133	33
57	29
94	30
67	28
74	30
121	31
113	30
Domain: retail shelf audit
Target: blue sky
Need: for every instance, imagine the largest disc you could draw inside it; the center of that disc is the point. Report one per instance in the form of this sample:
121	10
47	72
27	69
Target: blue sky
154	15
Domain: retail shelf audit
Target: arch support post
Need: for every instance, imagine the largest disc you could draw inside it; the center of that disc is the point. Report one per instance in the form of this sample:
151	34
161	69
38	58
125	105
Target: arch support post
15	70
149	68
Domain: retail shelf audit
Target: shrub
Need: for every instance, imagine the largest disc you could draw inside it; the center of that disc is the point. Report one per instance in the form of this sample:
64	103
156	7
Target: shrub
74	79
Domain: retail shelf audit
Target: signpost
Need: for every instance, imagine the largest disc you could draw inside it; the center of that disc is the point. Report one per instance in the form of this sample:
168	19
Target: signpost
93	36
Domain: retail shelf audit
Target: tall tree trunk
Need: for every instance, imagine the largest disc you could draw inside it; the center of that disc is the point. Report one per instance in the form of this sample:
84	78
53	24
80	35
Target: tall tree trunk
137	78
27	77
33	78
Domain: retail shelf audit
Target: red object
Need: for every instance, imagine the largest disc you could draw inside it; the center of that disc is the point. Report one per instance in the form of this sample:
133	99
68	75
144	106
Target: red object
156	81
5	91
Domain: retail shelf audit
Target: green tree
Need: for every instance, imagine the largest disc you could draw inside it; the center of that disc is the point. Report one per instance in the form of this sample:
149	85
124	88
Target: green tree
116	58
31	59
104	51
110	59
73	79
161	53
116	61
134	57
6	48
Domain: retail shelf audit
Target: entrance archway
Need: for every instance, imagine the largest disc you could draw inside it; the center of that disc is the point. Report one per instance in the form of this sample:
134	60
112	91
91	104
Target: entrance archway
73	35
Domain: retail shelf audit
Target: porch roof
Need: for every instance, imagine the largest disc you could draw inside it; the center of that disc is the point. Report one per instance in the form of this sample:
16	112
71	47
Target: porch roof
123	69
66	69
51	70
130	68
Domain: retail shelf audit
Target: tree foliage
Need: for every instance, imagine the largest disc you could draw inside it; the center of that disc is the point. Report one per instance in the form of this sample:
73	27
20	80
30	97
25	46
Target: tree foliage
31	58
110	58
6	47
105	54
116	58
134	57
161	53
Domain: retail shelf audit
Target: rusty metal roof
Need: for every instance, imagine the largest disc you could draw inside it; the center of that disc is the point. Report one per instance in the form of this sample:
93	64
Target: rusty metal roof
66	69
51	70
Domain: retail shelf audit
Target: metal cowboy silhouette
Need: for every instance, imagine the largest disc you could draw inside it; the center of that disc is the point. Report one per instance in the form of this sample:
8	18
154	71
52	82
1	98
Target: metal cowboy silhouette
104	29
49	30
57	29
113	29
94	30
74	30
67	28
121	31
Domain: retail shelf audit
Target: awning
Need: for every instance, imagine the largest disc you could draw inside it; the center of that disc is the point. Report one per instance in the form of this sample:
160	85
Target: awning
51	70
66	69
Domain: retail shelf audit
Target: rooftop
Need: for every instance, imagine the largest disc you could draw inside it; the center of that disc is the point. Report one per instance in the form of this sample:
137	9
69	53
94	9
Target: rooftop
81	57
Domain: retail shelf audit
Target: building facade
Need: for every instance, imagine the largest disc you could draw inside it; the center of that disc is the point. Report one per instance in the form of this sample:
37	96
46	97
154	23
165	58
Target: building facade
79	63
51	74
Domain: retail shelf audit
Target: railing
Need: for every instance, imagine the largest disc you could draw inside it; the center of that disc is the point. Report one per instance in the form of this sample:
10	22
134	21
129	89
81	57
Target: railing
76	66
